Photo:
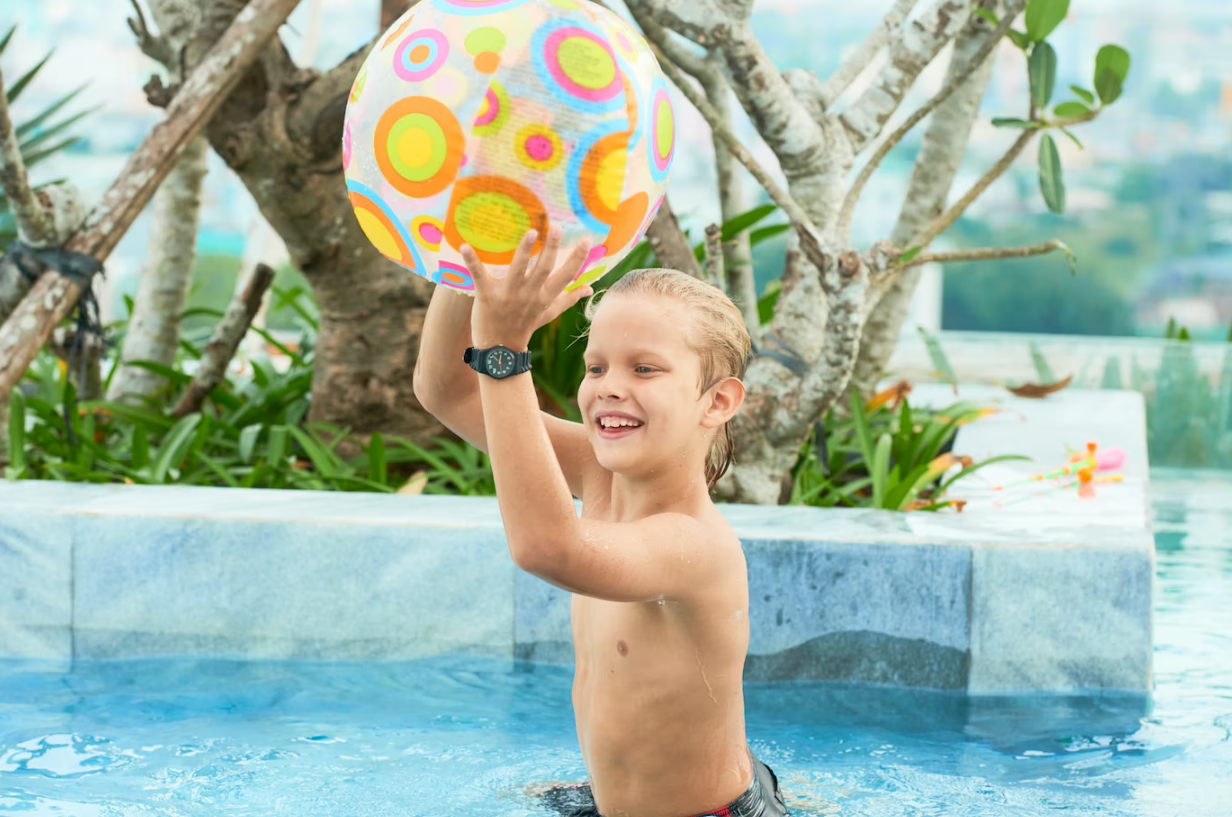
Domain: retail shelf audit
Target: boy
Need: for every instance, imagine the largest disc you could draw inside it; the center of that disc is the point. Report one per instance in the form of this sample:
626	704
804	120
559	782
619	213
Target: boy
658	577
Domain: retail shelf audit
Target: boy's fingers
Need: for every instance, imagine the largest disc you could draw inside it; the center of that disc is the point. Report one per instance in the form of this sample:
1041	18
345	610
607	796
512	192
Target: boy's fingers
479	273
521	257
568	271
547	258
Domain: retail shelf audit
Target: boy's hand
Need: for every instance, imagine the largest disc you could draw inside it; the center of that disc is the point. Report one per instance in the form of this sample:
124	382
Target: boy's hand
508	310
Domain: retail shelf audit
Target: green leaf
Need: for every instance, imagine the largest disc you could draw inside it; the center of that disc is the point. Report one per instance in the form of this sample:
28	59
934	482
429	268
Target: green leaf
940	362
1073	138
47	153
992	19
51	110
768	301
1011	122
1043	16
1113	58
766	233
1083	94
1112	65
1042	68
1108	86
17	87
1071	110
744	221
1042	369
908	256
276	447
172	451
1052	185
966	472
248	442
879	470
27	147
1019	39
5	42
17	433
325	463
141	447
376	460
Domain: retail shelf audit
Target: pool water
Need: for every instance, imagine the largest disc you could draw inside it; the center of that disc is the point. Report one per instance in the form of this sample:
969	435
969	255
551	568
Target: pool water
464	736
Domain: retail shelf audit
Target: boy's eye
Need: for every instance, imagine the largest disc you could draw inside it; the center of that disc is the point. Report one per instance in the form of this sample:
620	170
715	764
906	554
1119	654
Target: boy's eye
594	369
644	370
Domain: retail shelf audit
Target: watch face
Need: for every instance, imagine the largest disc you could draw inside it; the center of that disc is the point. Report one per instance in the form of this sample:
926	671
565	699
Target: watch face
500	362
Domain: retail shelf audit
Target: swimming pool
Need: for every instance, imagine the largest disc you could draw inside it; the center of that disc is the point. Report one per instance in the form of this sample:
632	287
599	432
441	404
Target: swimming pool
463	736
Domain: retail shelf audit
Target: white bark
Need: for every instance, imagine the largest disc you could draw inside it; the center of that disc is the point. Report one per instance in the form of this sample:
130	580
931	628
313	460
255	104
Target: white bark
859	60
910	51
162	293
941	156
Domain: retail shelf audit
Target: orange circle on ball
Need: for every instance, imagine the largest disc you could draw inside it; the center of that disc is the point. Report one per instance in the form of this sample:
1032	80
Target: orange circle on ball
487	62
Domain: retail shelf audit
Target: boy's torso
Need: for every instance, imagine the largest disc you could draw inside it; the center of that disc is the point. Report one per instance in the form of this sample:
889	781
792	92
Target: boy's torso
658	694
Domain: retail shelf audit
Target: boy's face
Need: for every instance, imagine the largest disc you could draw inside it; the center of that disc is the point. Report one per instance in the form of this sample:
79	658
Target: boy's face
640	397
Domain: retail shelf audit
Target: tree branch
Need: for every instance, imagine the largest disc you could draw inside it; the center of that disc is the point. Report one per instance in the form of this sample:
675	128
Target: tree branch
986	254
36	218
810	238
858	60
225	340
892	141
152	45
941	155
910	51
944	221
714	258
670	244
54	296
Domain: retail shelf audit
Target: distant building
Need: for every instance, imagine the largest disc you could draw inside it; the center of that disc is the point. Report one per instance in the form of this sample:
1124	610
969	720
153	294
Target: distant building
1196	292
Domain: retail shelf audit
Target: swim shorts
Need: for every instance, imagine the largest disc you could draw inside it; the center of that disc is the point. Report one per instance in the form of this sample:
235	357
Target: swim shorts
762	799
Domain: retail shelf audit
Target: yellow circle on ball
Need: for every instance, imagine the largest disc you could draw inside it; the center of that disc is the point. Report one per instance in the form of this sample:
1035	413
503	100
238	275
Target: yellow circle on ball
378	234
587	63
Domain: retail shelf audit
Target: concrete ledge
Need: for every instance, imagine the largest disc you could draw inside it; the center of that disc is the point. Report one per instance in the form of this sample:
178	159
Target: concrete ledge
1048	595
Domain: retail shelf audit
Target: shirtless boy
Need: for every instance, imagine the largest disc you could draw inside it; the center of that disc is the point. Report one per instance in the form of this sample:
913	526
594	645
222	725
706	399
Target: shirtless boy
658	577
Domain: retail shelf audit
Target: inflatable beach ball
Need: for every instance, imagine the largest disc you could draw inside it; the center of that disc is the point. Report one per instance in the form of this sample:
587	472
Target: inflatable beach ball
474	121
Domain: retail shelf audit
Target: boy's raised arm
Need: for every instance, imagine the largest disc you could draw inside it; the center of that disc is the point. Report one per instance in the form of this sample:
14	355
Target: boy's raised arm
449	389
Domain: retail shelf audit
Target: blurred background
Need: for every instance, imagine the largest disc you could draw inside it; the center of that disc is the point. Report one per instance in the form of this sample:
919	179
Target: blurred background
1150	198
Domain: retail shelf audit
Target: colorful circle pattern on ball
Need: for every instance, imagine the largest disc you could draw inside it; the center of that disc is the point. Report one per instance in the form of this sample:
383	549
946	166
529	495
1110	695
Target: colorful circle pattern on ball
420	55
419	146
383	228
472	125
577	65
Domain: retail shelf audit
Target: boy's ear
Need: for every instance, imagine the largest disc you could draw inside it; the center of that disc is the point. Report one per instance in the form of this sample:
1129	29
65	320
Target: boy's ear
726	397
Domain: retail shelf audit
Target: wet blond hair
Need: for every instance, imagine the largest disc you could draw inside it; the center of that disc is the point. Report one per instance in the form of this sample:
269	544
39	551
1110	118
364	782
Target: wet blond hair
718	336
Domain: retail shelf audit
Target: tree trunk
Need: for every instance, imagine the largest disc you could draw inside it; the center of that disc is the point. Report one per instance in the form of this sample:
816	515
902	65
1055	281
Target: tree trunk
941	156
280	132
162	293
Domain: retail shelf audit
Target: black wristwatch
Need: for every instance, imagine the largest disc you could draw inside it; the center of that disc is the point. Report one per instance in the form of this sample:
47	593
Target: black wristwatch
498	362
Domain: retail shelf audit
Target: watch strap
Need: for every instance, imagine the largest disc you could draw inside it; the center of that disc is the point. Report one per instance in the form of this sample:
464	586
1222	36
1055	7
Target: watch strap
475	358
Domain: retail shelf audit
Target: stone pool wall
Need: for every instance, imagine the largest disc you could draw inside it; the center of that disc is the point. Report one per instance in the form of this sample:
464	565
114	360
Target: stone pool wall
1052	594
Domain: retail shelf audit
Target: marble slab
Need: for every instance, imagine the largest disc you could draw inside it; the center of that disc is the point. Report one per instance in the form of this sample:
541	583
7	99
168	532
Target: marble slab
1052	593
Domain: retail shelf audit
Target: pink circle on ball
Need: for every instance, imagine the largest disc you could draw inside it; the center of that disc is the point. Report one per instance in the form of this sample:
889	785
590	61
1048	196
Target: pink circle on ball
430	233
539	148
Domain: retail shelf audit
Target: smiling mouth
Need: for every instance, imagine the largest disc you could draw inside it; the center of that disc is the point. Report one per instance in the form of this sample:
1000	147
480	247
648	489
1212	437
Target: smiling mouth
614	428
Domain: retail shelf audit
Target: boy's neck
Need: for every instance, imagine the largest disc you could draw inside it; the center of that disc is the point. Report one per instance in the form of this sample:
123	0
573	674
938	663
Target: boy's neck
636	497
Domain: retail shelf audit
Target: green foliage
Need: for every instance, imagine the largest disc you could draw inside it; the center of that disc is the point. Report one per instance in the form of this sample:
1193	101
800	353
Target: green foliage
1042	70
1111	71
1043	16
1189	417
250	433
890	458
937	355
1052	182
34	134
